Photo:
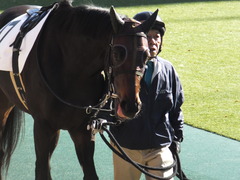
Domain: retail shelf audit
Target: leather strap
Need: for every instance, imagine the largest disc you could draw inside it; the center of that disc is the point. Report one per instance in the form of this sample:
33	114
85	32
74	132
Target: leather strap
35	16
19	87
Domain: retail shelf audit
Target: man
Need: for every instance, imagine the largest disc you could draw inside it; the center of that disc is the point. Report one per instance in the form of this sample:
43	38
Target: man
147	138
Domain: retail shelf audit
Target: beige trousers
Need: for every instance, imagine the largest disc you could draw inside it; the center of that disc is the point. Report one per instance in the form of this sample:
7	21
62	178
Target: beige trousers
151	157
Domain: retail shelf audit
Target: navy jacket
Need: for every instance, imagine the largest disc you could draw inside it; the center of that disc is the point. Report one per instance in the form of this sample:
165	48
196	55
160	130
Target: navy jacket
161	119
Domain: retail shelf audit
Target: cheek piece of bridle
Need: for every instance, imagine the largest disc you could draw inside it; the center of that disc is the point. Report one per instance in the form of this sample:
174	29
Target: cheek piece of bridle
137	66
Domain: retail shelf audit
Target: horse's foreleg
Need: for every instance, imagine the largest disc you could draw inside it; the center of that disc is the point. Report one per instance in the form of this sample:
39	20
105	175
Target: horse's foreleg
53	143
85	151
45	142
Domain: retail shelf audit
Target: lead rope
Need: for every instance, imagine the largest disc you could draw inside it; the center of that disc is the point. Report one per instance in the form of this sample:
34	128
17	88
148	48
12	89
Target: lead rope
99	125
88	109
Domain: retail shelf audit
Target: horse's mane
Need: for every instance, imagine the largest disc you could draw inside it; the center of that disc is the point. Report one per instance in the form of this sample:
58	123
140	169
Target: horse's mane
86	19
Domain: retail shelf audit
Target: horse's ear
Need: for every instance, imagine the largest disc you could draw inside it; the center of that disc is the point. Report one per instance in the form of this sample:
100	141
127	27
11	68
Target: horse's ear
146	25
116	20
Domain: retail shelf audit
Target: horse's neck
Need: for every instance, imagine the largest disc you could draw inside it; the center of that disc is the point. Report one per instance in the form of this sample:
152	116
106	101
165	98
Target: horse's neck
75	68
87	60
73	59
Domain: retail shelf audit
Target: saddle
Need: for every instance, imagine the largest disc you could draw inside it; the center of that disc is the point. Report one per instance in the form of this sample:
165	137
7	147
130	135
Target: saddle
34	17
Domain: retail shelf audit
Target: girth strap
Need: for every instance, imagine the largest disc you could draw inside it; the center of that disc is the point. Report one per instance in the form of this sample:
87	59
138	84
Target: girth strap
19	87
34	17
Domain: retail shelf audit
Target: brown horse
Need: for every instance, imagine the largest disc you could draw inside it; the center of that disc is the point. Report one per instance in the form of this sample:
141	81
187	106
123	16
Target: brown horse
63	81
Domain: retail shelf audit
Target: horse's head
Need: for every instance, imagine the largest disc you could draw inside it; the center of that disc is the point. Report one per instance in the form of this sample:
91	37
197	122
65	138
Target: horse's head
128	57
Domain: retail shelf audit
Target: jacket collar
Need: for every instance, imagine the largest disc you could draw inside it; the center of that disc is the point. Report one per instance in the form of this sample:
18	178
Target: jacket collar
157	67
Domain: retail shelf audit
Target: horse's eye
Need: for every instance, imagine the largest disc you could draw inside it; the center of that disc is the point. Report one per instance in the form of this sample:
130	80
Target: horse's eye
119	54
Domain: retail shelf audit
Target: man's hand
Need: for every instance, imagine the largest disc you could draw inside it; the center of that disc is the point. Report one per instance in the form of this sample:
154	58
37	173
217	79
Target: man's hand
175	147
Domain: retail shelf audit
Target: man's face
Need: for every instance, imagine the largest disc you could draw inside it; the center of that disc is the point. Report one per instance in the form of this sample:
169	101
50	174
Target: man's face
154	42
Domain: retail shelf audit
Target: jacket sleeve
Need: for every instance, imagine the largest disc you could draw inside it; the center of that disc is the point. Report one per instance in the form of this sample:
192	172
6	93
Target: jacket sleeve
176	115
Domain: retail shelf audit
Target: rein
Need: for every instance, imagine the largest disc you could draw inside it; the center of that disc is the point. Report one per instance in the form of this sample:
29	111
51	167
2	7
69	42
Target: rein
110	94
99	125
110	89
34	17
88	109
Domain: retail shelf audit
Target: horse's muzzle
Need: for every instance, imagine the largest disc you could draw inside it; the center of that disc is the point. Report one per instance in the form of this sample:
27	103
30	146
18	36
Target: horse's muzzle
126	110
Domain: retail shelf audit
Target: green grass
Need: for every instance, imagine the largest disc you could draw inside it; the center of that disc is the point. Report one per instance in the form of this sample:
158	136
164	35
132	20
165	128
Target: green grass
203	42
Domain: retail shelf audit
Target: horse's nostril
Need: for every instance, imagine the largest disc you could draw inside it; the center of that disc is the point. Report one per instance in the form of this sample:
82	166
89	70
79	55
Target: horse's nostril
129	109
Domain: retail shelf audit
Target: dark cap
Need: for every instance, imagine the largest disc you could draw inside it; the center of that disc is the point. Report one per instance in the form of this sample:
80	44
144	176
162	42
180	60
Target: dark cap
158	25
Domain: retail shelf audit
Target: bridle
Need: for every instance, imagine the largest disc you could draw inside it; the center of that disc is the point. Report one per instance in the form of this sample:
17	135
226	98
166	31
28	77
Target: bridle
110	93
134	70
90	108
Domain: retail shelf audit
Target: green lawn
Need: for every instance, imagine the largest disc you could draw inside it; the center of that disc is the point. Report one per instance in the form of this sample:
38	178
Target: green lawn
203	42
